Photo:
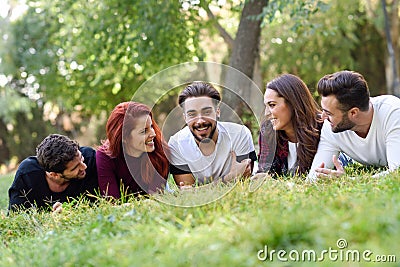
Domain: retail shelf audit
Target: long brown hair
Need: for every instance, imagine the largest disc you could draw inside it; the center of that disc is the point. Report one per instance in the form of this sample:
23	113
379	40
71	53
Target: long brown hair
305	118
121	122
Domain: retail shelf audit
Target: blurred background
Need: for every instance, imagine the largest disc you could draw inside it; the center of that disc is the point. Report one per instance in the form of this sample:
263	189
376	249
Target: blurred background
64	64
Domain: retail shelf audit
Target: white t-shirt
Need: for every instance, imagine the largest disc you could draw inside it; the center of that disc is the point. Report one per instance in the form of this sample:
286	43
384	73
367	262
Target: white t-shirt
381	146
186	155
292	156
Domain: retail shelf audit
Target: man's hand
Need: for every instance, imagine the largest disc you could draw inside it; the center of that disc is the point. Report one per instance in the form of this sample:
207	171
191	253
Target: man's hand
184	187
242	168
184	181
57	207
323	172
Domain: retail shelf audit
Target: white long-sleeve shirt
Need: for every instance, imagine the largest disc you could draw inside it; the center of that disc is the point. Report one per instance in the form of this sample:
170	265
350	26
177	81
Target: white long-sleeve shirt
381	146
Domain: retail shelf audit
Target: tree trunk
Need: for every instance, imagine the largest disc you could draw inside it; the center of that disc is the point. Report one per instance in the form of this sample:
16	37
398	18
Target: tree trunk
392	36
4	150
245	53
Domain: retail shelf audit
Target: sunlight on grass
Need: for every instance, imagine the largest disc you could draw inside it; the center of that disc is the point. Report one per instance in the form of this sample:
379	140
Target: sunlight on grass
286	214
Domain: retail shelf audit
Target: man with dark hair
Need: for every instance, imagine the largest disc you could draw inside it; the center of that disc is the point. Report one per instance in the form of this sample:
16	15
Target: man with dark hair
207	150
60	170
365	128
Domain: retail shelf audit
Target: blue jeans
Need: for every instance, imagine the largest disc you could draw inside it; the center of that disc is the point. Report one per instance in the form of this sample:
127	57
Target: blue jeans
344	159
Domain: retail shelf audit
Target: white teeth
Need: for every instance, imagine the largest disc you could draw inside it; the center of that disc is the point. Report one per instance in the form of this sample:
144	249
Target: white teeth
201	129
150	142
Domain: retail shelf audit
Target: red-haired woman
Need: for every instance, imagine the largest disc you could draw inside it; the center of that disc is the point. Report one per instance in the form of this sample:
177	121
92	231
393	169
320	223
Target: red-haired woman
133	157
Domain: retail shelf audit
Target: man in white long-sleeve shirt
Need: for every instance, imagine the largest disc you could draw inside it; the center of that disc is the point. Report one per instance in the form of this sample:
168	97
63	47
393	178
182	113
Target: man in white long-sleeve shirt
365	128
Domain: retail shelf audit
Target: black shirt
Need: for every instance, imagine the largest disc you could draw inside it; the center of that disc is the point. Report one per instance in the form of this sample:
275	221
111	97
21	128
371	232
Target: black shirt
30	187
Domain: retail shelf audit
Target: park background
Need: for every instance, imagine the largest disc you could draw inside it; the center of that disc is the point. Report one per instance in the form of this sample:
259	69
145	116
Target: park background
64	64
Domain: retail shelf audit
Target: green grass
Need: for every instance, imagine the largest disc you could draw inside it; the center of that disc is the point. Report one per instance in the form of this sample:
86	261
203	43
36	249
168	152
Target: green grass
5	183
231	231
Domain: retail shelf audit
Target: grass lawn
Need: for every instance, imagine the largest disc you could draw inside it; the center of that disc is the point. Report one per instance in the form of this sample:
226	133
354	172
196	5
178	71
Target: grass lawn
330	223
5	183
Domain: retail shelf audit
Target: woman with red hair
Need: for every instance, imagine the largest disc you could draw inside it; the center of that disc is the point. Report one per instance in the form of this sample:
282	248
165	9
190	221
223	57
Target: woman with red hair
133	157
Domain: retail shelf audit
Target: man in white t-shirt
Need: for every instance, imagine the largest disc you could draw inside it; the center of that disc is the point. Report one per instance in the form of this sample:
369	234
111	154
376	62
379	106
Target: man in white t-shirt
365	128
207	150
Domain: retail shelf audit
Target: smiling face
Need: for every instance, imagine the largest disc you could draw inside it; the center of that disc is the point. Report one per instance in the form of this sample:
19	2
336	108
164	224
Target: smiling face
141	138
75	169
278	111
339	120
200	116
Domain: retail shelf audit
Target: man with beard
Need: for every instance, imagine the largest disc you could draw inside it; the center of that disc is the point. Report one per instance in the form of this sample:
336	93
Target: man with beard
365	128
207	150
60	170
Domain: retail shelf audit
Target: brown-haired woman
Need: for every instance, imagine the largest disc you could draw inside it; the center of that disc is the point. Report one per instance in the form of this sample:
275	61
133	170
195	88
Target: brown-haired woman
290	135
133	157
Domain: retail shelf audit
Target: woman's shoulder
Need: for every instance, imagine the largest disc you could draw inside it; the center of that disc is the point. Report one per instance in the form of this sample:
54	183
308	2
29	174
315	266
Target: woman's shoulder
103	156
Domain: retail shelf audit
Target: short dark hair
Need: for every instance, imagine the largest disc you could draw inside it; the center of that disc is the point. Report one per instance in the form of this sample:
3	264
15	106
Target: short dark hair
55	151
197	89
349	87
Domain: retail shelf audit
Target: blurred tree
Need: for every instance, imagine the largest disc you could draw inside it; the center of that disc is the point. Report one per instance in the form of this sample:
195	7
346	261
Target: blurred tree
312	38
96	54
244	49
21	124
385	17
245	55
339	36
86	56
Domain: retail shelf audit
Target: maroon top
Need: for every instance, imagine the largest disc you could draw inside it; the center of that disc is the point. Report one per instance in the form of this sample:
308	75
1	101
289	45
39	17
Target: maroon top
112	171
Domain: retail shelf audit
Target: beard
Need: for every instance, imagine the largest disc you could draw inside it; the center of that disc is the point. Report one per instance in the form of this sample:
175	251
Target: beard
204	138
344	125
79	176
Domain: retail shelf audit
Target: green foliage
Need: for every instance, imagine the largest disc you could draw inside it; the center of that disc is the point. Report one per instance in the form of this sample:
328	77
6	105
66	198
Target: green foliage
22	127
98	53
5	183
282	214
9	112
334	36
299	11
321	47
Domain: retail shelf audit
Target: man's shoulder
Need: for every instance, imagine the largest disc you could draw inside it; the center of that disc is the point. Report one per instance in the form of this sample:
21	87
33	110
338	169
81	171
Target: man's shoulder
30	172
232	127
384	103
181	136
326	131
234	130
384	98
89	154
87	151
30	164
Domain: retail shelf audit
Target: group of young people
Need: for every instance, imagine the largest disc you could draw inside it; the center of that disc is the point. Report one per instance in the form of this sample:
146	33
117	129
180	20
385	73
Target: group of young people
296	138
